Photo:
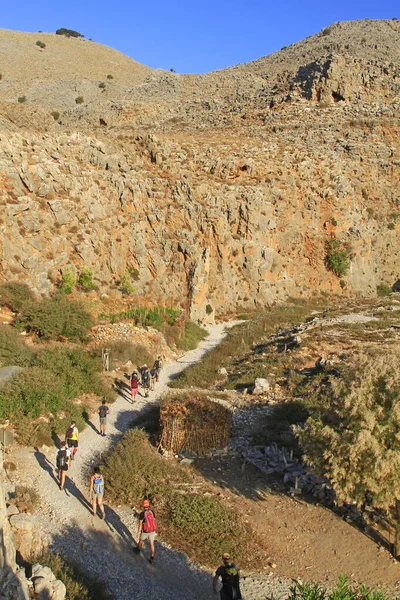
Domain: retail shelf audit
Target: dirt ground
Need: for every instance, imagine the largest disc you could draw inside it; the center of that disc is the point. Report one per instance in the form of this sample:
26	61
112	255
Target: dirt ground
304	540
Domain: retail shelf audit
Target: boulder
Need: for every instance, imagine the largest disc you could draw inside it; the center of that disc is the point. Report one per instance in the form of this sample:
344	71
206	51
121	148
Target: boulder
261	386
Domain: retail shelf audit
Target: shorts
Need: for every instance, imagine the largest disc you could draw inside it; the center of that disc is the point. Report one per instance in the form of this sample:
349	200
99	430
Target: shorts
134	392
148	536
72	443
103	420
63	468
98	496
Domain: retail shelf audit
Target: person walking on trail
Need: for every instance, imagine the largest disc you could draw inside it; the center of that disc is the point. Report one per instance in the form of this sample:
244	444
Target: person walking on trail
147	529
71	438
146	380
153	378
157	366
134	384
96	492
62	462
229	574
103	411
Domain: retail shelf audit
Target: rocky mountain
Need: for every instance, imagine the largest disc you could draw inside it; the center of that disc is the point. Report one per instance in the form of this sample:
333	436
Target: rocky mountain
210	192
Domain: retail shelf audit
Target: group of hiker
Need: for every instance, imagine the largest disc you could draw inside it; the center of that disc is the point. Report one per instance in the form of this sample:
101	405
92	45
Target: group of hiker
228	572
146	378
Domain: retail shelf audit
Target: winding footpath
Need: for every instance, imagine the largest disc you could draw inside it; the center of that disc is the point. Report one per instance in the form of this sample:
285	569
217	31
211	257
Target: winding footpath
104	548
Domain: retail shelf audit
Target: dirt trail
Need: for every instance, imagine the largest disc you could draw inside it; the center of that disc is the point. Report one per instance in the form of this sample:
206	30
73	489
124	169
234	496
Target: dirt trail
104	548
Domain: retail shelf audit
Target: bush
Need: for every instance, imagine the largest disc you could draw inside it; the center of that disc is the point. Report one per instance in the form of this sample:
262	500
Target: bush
26	498
313	591
69	32
147	317
21	99
102	85
13	350
68	281
85	279
54	317
337	258
40	44
327	31
15	295
110	77
391	226
383	290
79	585
55	114
79	100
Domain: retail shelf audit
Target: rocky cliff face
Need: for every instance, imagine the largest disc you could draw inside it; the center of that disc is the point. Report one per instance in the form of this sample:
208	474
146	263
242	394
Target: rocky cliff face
220	190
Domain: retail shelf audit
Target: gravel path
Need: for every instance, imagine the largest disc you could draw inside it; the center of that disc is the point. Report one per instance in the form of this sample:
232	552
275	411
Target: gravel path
104	548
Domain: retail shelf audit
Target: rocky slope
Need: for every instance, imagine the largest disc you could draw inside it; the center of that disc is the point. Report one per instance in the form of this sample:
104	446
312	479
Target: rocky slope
218	190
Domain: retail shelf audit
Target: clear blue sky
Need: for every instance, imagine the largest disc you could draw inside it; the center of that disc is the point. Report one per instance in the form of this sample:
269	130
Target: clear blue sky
192	37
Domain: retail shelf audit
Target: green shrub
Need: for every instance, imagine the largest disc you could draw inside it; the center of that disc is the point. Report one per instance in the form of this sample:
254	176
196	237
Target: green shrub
125	285
79	585
55	114
337	258
79	100
209	309
391	226
343	591
383	290
370	212
110	77
85	280
69	32
21	99
54	317
15	295
102	85
327	31
68	281
40	44
192	336
334	222
147	317
13	350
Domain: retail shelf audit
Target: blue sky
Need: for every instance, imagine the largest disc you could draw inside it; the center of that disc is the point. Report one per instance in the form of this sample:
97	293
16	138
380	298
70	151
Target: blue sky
192	37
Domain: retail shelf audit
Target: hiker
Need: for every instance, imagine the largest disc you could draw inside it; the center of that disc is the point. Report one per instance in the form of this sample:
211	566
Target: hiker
153	378
71	438
103	411
134	384
157	366
146	380
229	574
147	529
96	491
62	461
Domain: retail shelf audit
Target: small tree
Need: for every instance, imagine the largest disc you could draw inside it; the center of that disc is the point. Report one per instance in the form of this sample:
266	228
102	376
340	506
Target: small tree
337	258
357	444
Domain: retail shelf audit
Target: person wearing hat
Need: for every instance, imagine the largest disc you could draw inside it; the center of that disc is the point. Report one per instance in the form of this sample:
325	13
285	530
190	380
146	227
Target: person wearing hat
229	574
147	529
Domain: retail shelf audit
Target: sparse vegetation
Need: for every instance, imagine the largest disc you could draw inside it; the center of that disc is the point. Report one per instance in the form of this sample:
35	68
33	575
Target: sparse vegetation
370	212
55	114
13	350
151	317
40	44
391	225
21	99
136	353
192	335
110	77
343	591
337	258
79	100
383	290
102	85
327	31
79	585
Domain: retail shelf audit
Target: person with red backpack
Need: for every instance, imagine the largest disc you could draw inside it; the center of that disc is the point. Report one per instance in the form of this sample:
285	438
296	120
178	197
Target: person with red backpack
147	529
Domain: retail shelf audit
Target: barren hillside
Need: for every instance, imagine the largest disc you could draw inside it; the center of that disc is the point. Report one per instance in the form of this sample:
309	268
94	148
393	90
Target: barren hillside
219	190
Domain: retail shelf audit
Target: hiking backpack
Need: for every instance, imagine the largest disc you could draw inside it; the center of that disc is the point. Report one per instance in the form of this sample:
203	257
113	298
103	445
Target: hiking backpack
69	433
61	459
157	364
145	377
230	581
103	411
98	485
149	523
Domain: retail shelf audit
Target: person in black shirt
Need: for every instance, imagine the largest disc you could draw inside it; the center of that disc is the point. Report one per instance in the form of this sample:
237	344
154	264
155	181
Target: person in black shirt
229	574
